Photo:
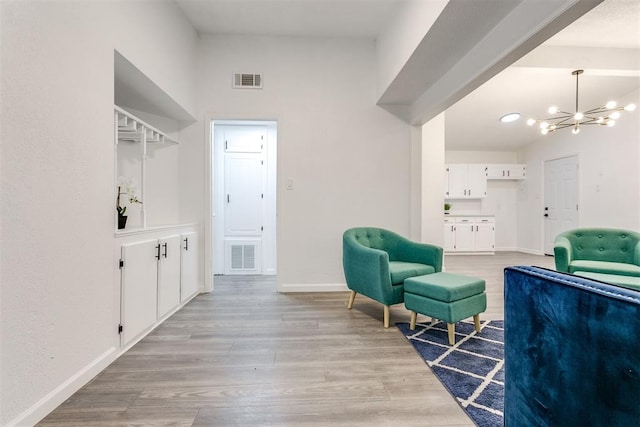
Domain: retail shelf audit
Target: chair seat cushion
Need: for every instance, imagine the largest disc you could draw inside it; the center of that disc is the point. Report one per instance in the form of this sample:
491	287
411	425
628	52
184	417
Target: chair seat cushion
445	287
402	270
606	267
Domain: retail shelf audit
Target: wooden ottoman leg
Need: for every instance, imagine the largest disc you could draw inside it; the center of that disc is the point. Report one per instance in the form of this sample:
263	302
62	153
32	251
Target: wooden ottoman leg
476	321
352	297
451	329
386	316
414	317
434	320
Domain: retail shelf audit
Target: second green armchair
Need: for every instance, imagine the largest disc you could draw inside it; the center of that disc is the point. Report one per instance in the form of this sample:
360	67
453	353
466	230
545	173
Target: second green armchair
376	262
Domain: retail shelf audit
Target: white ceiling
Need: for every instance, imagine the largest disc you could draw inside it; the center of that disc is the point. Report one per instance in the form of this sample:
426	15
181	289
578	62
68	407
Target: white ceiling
307	18
538	80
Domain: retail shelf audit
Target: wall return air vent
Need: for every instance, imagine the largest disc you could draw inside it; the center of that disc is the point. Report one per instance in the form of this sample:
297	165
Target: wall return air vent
247	81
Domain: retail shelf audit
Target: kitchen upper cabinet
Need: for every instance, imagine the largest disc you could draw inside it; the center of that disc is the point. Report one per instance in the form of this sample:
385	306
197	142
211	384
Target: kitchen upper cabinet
465	181
506	171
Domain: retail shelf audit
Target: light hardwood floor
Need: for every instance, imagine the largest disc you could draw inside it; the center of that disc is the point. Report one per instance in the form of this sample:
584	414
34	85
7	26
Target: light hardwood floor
245	355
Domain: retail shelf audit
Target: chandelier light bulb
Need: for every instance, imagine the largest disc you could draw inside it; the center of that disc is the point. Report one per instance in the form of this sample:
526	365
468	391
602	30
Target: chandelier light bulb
531	122
600	120
578	116
611	123
544	131
630	107
552	127
575	130
610	105
553	109
615	115
544	125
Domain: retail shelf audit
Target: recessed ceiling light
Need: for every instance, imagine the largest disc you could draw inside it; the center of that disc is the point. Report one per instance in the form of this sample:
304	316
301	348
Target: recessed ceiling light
510	117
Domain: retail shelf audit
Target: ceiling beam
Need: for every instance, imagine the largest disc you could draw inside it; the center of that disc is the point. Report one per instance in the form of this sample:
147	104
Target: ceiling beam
469	43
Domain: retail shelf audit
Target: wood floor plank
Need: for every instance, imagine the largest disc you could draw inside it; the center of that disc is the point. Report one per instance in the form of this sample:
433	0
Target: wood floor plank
293	360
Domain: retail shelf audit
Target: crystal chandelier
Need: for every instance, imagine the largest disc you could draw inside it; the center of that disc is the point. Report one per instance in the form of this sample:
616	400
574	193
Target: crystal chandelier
605	115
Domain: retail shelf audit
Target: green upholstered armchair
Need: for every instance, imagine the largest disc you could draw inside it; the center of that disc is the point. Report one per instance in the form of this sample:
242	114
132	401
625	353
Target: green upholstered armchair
376	262
598	250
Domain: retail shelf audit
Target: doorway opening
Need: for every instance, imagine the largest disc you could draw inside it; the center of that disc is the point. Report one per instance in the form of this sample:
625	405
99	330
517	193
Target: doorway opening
561	195
244	197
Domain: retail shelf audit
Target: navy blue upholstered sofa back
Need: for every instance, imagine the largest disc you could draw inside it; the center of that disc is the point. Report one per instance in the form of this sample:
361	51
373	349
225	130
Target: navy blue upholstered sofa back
572	351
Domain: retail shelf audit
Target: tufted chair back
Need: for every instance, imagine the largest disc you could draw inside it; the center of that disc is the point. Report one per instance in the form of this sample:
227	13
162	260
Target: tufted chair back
375	238
603	244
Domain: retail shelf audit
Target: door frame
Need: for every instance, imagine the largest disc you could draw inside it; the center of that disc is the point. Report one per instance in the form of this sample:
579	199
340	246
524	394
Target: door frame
209	227
544	195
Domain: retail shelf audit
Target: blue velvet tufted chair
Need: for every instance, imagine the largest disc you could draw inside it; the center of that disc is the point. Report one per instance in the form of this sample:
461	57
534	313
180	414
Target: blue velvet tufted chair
376	262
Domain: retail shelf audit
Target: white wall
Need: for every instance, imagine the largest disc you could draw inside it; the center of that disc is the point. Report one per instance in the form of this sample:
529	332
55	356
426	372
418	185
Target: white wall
609	176
501	196
59	309
349	160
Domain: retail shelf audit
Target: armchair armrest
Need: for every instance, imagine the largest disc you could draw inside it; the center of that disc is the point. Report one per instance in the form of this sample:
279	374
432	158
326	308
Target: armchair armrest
366	270
563	252
422	253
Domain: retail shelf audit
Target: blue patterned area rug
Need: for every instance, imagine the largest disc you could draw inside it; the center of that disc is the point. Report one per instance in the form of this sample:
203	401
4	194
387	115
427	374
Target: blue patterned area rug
472	369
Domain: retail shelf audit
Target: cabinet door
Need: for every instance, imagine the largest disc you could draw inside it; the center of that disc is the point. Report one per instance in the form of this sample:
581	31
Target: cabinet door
496	171
449	236
457	178
139	289
477	181
168	275
516	171
465	235
485	237
189	284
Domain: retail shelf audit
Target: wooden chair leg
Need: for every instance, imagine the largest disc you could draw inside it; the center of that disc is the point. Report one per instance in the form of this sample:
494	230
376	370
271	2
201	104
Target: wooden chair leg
414	317
386	316
451	332
352	297
476	321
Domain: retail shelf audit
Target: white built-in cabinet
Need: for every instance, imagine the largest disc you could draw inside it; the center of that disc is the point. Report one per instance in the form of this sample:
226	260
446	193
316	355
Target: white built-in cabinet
469	181
157	276
189	285
464	181
168	274
506	171
469	234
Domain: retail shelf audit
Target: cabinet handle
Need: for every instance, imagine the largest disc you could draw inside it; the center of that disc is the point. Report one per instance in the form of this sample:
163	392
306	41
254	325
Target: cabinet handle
476	228
165	249
472	228
469	191
186	243
158	251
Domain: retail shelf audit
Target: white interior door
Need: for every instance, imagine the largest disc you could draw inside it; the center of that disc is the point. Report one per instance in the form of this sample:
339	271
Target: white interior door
243	183
561	193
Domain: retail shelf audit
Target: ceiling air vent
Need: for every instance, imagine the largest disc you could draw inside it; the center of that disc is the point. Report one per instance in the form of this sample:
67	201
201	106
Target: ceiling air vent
247	81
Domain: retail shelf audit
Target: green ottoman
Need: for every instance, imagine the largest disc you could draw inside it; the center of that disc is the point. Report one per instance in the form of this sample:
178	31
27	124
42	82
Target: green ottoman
445	296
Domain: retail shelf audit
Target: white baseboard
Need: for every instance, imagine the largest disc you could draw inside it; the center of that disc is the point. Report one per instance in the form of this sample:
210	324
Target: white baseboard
316	287
507	249
57	396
